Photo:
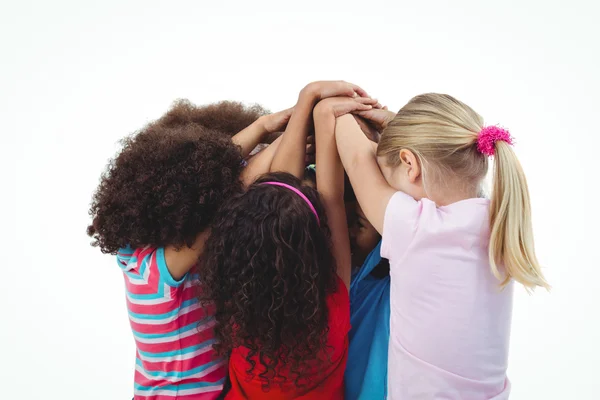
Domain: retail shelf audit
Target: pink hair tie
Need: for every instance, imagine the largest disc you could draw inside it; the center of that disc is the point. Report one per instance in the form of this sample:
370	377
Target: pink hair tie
299	193
488	136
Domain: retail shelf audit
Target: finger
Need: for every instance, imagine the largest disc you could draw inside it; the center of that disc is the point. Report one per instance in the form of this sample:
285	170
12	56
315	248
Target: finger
366	114
310	149
360	91
370	100
366	100
346	89
310	139
350	107
358	106
384	108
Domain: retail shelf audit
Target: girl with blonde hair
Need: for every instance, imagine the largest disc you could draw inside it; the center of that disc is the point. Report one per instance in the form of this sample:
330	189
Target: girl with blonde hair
453	255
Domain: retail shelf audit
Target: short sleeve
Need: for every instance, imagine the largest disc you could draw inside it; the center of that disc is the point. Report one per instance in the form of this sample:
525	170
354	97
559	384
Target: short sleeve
399	225
124	256
147	267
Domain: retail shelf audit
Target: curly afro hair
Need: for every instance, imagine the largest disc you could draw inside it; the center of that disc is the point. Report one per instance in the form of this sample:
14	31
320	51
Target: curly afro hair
164	187
227	117
268	268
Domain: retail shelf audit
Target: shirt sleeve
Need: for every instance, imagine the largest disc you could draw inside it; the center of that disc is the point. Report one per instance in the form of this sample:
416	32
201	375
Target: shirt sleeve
399	225
124	256
147	267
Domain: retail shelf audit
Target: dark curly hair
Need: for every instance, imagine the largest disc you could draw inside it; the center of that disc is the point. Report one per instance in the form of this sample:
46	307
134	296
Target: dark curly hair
164	187
268	268
227	117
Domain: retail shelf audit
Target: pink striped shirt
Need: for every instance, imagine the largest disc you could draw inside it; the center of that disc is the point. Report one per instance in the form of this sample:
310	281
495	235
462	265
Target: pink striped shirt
172	331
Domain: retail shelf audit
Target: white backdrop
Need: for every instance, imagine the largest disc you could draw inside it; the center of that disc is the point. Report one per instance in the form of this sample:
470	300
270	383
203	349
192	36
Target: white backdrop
77	76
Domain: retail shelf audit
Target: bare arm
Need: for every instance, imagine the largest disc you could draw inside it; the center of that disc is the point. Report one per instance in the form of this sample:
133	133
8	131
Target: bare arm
180	261
360	162
251	136
291	152
260	163
330	183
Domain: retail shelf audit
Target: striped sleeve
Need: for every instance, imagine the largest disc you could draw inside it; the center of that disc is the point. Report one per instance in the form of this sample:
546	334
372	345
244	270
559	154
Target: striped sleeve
146	267
124	255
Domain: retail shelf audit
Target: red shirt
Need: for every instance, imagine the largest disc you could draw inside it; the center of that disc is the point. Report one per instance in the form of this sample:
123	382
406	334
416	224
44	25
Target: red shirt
328	384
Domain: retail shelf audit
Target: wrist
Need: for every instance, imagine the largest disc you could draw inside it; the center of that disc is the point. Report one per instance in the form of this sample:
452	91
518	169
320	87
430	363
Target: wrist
310	93
390	118
262	124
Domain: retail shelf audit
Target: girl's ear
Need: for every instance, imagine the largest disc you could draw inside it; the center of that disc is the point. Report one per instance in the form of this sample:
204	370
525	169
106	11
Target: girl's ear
411	164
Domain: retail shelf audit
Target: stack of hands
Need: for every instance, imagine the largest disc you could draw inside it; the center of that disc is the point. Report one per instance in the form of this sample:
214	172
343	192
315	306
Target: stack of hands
294	125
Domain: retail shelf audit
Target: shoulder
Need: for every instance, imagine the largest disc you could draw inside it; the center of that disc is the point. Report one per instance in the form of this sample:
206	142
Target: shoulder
402	216
128	255
466	216
130	259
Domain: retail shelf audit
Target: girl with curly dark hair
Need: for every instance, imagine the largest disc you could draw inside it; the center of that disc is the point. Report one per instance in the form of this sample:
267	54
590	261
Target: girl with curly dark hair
153	209
248	126
277	268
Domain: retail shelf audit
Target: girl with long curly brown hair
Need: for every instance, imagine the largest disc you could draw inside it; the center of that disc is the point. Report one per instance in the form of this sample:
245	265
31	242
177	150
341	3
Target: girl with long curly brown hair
153	209
276	267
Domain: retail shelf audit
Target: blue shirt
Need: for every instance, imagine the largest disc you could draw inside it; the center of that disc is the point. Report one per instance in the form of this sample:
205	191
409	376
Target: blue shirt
366	370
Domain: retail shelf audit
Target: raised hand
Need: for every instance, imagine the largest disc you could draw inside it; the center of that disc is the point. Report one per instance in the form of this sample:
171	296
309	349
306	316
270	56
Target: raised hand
339	106
277	122
379	117
368	129
324	89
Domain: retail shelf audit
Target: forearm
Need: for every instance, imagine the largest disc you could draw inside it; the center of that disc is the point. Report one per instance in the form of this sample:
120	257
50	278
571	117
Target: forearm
351	143
291	153
251	136
330	183
359	159
261	163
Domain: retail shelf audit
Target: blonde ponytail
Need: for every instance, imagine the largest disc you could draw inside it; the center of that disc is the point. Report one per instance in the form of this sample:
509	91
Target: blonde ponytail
449	140
511	239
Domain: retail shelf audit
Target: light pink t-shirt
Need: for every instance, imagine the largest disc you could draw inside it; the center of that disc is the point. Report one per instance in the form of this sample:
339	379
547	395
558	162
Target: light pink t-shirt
450	321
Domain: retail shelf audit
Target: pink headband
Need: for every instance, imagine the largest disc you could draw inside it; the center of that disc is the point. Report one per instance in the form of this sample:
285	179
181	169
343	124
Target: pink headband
488	136
299	193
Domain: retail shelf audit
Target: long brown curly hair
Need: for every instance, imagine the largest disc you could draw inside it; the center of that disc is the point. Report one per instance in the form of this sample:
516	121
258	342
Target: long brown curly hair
268	268
164	187
227	117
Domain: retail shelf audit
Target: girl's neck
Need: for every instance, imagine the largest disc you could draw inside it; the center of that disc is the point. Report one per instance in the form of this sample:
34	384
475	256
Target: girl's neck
454	196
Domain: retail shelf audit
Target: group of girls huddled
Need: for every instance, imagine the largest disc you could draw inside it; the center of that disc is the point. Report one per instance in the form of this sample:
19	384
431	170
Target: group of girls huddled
332	250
